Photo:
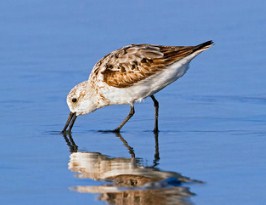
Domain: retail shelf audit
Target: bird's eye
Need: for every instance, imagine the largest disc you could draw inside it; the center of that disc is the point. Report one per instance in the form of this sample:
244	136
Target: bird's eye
74	100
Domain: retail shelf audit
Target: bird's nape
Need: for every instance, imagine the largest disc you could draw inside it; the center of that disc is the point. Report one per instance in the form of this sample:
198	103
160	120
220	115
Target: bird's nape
70	122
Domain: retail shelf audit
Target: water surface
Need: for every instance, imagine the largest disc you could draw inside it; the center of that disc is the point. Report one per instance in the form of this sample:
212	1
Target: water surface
211	148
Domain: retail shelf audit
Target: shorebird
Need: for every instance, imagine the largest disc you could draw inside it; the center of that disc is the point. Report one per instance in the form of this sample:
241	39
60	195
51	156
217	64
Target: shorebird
129	75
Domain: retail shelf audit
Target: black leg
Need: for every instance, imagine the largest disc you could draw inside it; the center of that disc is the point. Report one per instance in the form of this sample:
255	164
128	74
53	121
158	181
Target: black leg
156	106
130	114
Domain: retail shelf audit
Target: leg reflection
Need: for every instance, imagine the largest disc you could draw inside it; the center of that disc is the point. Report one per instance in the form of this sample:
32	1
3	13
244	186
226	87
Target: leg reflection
130	149
157	152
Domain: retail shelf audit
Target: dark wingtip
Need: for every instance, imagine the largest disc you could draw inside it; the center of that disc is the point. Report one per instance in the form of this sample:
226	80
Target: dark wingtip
210	42
203	46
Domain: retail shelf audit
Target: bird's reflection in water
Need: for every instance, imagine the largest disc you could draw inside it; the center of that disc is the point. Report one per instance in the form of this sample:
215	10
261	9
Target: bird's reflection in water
126	180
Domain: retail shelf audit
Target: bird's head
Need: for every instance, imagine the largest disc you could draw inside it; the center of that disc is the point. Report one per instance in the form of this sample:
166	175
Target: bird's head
80	101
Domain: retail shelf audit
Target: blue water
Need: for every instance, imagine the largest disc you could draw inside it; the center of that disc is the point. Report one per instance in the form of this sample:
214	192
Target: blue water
212	121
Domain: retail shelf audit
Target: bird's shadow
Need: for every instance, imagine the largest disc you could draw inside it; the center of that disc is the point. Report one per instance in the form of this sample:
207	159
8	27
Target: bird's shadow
123	177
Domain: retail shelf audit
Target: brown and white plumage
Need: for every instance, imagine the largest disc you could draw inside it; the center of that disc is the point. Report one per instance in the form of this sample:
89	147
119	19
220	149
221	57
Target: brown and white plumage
131	74
133	63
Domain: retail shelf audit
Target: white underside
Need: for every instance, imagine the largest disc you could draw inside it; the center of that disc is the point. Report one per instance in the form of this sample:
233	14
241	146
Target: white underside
149	86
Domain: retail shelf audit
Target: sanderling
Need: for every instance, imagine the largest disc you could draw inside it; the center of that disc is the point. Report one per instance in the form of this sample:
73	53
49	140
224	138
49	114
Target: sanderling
128	75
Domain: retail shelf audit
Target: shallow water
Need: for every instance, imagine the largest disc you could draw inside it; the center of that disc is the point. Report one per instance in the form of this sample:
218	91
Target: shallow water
211	148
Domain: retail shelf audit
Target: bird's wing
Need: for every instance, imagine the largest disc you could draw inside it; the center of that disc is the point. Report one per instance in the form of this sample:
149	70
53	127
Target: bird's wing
131	64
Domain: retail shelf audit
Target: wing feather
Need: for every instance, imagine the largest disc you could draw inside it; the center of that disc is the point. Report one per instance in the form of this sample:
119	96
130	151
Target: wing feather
131	64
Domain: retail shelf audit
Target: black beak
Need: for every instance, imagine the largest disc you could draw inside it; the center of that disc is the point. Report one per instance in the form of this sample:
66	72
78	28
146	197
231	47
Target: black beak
70	122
